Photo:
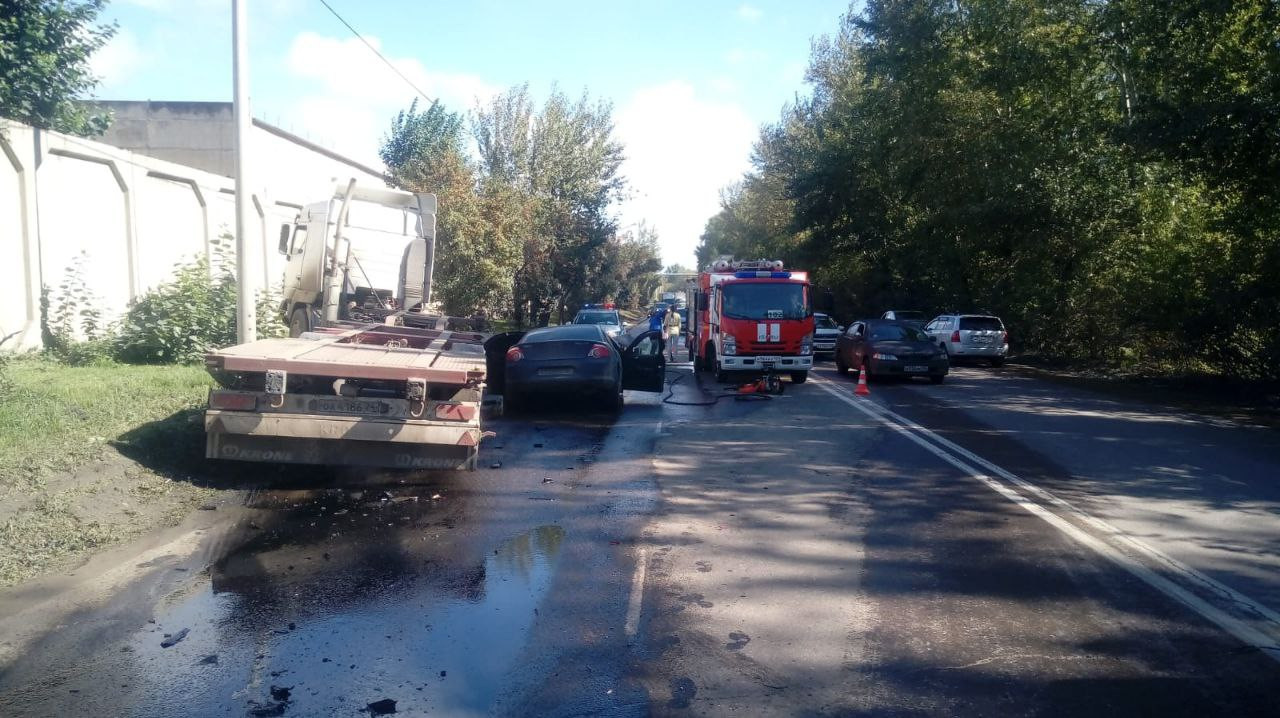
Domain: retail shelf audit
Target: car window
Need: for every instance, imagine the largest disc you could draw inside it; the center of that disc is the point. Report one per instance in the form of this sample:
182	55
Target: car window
982	324
824	322
897	333
647	346
596	318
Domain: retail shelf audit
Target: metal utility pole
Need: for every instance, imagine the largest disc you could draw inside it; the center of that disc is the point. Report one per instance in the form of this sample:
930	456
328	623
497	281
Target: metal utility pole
246	316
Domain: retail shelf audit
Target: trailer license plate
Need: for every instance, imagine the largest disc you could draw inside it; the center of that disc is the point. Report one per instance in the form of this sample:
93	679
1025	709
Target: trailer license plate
915	369
348	406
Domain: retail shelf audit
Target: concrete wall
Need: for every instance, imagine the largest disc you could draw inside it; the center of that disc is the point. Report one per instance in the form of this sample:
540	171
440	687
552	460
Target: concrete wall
126	219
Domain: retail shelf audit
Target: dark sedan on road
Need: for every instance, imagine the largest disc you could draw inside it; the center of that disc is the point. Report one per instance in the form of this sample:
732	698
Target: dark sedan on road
582	361
890	348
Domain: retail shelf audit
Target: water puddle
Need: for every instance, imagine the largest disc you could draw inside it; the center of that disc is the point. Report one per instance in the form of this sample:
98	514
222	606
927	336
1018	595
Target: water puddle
290	630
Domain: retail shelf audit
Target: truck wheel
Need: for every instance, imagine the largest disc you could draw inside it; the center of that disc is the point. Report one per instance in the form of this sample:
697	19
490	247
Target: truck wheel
799	377
299	322
722	376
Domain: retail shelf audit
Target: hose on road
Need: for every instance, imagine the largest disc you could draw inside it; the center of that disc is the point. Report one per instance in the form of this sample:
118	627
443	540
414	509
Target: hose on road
671	389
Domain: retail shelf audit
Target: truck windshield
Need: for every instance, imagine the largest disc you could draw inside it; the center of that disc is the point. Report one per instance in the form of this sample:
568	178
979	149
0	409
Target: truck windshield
765	301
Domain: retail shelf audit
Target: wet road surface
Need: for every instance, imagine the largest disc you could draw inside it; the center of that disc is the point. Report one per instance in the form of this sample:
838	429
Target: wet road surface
805	555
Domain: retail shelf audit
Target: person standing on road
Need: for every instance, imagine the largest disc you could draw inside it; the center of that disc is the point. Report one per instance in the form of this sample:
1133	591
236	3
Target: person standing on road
672	326
655	321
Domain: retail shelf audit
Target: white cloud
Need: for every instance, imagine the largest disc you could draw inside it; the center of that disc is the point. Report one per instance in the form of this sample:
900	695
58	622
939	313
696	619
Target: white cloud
681	150
750	13
353	94
115	61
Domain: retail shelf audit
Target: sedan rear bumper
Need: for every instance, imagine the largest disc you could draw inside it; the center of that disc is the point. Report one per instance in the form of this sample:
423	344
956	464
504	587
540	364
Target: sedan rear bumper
898	367
969	350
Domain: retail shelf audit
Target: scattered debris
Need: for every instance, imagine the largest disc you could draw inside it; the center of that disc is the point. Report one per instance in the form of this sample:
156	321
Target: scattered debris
537	446
268	710
436	497
292	626
385	496
209	660
173	640
382	707
496	465
208	507
339	512
548	480
281	693
443	673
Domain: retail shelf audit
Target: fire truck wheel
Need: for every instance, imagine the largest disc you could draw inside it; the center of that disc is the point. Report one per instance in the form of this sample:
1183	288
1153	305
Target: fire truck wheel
799	377
722	376
299	322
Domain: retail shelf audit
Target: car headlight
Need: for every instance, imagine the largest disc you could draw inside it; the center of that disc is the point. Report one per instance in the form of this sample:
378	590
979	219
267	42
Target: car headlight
806	345
728	345
884	357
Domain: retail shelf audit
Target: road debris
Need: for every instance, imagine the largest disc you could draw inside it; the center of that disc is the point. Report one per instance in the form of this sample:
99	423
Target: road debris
382	707
171	640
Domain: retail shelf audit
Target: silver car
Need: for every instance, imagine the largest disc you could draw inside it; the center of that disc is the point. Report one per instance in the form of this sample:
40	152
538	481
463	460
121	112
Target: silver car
970	335
825	334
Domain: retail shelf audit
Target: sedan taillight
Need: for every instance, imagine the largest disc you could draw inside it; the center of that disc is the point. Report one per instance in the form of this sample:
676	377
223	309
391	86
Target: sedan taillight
598	351
514	354
955	337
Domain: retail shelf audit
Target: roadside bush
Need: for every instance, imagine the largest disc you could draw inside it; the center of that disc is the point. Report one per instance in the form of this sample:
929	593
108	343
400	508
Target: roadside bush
179	321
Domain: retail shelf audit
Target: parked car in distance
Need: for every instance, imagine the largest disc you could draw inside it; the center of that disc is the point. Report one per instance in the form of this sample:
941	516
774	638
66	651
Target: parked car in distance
825	334
970	335
607	318
906	315
887	348
573	360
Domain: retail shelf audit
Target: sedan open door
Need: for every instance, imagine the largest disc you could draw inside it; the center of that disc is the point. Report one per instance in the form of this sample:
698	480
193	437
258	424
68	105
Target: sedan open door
644	366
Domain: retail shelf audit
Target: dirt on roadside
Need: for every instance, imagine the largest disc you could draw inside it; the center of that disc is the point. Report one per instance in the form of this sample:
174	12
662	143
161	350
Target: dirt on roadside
53	522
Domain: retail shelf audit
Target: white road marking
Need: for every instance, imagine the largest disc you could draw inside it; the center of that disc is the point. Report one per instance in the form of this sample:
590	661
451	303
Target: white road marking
637	593
1263	636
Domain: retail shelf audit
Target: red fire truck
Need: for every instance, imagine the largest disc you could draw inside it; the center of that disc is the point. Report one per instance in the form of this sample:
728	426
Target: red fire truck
752	316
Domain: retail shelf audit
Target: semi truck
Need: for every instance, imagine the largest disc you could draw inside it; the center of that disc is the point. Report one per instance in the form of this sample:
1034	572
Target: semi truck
369	375
752	317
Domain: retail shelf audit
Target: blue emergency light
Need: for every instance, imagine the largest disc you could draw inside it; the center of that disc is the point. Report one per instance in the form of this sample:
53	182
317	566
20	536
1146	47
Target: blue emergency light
760	275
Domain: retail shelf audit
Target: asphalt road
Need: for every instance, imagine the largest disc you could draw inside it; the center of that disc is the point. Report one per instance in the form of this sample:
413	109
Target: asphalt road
995	545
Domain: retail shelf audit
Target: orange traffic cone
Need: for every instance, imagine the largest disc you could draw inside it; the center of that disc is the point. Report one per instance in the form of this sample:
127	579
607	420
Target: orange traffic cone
862	389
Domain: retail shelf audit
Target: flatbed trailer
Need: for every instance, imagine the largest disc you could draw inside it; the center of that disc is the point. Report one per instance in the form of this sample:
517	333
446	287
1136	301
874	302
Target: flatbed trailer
354	394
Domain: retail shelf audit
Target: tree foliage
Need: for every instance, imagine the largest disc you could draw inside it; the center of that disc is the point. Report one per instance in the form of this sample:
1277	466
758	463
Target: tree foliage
1101	174
526	222
45	47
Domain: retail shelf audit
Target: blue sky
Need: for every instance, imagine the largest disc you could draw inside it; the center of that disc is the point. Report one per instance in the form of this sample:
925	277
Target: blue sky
691	82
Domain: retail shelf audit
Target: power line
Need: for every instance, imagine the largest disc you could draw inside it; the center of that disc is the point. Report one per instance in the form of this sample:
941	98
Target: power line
369	45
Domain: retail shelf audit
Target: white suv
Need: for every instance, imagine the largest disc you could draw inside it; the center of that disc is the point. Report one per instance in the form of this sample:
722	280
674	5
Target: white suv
970	335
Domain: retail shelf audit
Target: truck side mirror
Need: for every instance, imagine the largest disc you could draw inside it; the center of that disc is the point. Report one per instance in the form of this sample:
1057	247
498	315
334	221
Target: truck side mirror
286	233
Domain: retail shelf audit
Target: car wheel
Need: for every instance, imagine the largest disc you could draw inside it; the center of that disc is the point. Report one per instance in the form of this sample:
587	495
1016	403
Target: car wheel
840	367
938	378
997	361
799	377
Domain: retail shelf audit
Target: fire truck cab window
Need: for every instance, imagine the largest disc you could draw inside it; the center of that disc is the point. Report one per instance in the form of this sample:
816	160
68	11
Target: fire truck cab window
758	301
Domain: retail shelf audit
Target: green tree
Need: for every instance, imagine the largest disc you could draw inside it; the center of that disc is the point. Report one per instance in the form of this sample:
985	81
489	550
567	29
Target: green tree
476	250
45	46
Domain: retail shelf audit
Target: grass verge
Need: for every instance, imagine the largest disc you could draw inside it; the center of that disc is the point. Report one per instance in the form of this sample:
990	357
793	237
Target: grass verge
76	450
